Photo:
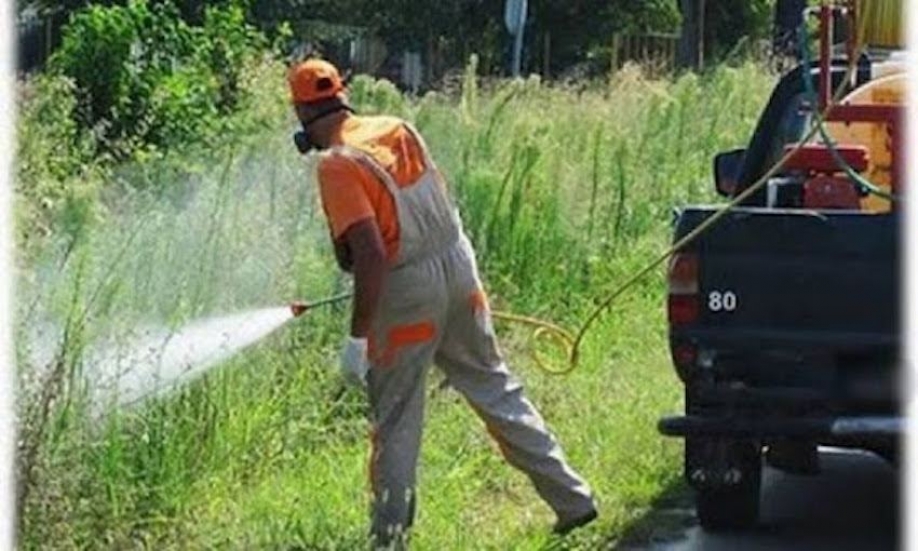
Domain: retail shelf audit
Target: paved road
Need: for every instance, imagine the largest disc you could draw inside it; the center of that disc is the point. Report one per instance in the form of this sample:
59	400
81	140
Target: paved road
852	505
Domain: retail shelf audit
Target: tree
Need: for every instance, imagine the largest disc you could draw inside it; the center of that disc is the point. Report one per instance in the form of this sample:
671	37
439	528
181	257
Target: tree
691	44
713	29
788	18
578	28
729	22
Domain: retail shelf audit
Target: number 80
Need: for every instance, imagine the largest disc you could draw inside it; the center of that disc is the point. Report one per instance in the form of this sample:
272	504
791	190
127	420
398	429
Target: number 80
721	301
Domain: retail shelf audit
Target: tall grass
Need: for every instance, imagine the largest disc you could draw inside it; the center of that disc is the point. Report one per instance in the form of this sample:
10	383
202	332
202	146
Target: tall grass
564	191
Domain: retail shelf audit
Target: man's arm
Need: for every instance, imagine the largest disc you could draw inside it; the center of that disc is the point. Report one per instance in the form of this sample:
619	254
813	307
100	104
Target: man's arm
368	254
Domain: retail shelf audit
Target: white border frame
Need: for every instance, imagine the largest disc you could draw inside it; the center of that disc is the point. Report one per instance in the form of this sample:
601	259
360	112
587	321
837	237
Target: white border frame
909	515
7	371
7	378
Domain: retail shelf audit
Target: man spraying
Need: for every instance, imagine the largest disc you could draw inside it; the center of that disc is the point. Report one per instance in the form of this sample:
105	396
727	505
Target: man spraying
418	301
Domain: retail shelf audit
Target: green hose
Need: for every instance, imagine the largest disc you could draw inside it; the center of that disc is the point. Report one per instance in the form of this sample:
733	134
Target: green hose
862	182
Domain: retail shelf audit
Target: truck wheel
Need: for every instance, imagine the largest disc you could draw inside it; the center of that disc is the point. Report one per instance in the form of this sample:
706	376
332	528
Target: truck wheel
734	506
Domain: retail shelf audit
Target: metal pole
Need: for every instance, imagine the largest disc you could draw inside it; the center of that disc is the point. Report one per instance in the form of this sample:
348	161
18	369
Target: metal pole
852	42
517	51
701	10
515	20
825	55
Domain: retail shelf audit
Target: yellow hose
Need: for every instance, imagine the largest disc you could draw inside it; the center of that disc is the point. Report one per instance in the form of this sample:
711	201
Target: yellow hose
569	342
563	339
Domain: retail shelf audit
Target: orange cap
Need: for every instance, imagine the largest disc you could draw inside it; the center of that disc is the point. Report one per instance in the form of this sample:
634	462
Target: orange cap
314	80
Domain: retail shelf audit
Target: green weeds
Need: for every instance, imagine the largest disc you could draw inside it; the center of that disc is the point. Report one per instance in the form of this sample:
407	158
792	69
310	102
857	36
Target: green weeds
565	193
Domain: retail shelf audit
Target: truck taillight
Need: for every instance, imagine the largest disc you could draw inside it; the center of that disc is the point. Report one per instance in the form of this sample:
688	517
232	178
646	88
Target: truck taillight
683	274
684	358
682	309
683	304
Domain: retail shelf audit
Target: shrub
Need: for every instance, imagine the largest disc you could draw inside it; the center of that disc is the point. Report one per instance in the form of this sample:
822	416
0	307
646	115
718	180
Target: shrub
182	107
56	176
371	96
144	77
228	45
116	56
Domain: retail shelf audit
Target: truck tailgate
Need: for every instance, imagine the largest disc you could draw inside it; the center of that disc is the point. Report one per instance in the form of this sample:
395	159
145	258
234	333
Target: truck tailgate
801	276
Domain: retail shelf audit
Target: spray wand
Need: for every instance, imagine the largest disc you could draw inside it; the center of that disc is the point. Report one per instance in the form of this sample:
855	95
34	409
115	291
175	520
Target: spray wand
299	307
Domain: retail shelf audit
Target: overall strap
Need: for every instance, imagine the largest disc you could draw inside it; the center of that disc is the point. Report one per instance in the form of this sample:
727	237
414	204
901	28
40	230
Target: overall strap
425	152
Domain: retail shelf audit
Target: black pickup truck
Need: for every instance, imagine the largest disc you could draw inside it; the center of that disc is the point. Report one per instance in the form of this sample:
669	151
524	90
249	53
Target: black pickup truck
784	323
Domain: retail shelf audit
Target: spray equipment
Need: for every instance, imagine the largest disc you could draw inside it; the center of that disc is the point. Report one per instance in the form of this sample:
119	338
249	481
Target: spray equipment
300	307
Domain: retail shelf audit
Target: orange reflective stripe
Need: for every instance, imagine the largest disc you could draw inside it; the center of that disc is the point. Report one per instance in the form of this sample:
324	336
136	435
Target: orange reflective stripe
415	333
400	336
478	302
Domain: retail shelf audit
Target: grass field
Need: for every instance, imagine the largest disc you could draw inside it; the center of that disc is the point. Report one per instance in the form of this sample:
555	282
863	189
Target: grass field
565	191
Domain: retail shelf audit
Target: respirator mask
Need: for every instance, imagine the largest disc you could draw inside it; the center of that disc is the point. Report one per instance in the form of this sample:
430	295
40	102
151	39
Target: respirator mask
301	139
302	142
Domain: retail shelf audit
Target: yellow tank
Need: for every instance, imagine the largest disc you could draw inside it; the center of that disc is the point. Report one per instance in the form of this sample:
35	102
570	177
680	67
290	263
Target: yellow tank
880	23
889	90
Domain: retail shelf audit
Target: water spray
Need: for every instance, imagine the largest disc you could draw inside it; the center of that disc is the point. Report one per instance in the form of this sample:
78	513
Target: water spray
156	359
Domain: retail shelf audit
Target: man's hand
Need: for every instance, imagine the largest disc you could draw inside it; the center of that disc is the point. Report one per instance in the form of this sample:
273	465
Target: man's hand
354	363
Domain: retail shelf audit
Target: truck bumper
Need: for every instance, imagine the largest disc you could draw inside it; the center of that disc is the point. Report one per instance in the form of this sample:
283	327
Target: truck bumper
811	428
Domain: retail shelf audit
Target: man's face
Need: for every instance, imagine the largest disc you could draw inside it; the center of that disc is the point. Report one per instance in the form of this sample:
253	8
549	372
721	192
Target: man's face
313	117
304	112
304	140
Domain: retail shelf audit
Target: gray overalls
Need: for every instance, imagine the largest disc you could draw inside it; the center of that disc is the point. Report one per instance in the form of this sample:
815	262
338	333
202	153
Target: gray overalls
433	311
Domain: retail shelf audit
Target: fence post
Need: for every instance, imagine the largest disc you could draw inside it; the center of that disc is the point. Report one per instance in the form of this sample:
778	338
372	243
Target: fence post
616	37
673	46
626	50
46	46
701	11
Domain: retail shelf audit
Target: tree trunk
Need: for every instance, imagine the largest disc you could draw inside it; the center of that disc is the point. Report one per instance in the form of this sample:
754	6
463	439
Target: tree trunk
691	43
788	19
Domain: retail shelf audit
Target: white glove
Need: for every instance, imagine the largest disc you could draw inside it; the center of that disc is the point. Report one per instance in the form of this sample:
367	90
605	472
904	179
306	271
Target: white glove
354	362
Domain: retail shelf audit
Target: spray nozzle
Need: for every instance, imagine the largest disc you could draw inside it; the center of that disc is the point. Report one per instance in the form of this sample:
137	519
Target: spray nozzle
298	308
